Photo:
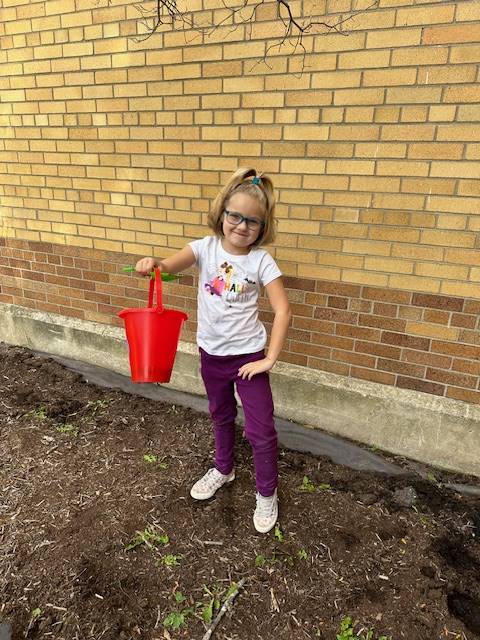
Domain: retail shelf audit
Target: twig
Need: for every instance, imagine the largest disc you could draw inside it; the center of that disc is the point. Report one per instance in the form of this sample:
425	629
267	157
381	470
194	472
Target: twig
225	606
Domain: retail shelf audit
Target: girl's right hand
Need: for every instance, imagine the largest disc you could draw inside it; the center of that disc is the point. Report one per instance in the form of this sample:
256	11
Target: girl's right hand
145	266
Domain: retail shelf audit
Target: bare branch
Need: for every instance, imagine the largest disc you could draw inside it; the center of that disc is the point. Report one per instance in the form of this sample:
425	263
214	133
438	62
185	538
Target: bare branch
295	28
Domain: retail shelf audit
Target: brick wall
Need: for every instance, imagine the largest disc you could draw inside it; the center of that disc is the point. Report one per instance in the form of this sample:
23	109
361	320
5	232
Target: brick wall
111	148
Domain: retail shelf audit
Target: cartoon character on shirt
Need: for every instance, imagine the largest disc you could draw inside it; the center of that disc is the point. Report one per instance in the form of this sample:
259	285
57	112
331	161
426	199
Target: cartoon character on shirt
223	284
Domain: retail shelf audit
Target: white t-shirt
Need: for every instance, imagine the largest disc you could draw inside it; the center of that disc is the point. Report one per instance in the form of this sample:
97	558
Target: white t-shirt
228	289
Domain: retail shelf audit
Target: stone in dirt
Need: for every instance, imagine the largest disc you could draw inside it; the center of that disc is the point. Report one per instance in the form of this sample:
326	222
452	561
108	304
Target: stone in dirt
405	497
5	631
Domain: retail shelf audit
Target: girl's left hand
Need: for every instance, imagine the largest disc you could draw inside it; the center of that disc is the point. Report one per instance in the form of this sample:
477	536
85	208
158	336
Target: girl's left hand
252	368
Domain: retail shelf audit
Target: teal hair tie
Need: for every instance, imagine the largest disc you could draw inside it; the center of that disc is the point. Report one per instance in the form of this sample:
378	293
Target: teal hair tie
255	180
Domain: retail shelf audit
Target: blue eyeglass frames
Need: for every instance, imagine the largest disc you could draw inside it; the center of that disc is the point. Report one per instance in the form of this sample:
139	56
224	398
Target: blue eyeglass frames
236	218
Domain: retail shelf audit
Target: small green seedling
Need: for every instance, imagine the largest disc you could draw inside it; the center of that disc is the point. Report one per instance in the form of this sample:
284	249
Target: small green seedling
347	631
260	560
40	412
177	619
212	605
34	617
68	428
149	537
278	533
302	554
171	560
150	458
307	485
96	405
324	486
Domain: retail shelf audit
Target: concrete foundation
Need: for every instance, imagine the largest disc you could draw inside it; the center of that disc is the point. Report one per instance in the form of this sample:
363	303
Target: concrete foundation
436	431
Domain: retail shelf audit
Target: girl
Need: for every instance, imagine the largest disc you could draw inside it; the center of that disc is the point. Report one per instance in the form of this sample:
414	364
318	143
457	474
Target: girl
230	336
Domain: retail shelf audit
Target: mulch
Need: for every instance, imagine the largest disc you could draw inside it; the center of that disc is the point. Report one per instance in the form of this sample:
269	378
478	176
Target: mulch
99	538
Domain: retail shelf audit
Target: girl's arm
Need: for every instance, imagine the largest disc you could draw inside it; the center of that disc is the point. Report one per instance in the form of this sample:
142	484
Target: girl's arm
178	262
278	299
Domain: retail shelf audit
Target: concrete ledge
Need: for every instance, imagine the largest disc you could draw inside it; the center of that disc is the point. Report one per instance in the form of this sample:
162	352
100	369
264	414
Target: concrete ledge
431	429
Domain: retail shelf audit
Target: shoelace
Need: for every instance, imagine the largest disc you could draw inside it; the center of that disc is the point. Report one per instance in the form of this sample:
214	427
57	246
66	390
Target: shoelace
265	506
211	478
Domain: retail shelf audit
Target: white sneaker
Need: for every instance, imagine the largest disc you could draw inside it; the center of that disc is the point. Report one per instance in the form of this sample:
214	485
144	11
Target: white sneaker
207	486
266	512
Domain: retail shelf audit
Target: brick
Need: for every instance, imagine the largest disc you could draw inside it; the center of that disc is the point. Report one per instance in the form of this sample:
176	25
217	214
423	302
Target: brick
466	366
463	288
464	53
339	42
305	132
440	113
358	96
364	277
462	132
456	349
242	85
452	238
358	359
382	322
462	320
410	370
404	340
425	15
468	11
426	358
392	353
451	34
257	132
463	395
469	337
462	94
472	306
242	50
355	132
364	59
436	150
335	79
373	376
432	330
434	315
394	38
389	77
359	114
332	341
420	385
452	378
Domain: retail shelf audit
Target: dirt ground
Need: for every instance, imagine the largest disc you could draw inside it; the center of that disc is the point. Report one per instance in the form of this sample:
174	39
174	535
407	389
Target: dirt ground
99	537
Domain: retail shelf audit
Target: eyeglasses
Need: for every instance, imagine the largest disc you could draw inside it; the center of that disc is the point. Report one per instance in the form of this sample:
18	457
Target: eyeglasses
235	218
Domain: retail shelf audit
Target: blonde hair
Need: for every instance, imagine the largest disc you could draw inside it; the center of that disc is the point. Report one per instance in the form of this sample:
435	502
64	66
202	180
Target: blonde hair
260	188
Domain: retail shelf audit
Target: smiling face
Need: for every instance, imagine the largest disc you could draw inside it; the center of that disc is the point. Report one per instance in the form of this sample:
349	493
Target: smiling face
238	238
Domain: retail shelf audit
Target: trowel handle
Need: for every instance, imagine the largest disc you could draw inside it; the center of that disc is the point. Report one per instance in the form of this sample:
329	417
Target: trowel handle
166	277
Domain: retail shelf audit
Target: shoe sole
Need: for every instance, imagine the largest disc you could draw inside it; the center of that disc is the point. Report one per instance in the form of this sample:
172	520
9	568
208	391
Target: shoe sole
207	497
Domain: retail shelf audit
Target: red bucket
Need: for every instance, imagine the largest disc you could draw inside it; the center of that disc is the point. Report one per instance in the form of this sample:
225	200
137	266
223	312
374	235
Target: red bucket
152	335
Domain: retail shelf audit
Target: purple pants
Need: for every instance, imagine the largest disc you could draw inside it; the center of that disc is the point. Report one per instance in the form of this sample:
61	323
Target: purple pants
220	374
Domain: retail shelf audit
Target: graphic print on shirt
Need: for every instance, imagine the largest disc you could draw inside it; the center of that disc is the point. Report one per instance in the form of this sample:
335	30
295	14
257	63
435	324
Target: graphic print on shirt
227	286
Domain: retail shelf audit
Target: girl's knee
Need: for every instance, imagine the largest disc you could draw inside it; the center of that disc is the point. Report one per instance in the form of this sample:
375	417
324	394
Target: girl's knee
264	440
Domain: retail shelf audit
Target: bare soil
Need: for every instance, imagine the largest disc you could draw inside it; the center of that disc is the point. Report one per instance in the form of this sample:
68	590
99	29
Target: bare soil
98	541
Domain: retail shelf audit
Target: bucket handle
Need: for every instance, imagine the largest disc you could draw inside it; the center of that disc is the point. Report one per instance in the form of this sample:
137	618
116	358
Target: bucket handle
156	284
